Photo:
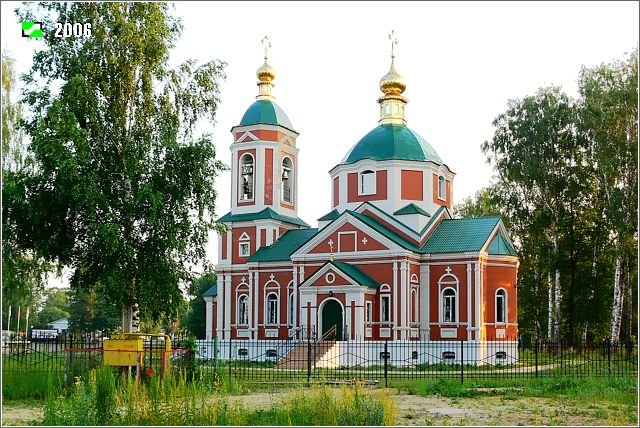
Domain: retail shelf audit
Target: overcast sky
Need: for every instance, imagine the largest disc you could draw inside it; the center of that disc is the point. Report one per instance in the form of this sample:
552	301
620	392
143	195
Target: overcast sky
462	62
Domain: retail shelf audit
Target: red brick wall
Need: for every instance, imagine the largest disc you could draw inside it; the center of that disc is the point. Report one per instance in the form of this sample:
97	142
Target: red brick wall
353	188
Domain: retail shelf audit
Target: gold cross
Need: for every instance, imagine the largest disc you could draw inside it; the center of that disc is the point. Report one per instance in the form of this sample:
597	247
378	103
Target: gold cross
394	42
267	44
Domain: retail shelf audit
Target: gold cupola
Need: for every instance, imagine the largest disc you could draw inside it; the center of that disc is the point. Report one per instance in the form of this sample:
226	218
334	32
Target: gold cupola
266	74
392	85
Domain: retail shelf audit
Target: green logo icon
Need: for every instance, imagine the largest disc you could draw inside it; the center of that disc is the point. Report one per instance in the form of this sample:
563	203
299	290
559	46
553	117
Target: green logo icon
32	30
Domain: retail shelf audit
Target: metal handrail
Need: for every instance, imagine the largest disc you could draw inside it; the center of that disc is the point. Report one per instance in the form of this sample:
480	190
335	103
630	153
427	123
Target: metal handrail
331	331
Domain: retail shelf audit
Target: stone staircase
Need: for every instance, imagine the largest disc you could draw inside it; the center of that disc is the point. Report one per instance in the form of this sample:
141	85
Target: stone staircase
298	357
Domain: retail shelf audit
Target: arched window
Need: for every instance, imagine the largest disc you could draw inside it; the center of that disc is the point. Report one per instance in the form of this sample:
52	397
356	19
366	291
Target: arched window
272	308
441	187
449	305
501	306
246	177
385	304
287	179
291	310
367	182
414	305
243	310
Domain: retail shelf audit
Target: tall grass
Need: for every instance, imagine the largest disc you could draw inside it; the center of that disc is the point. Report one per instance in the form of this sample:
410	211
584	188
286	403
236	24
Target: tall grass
102	399
622	390
27	385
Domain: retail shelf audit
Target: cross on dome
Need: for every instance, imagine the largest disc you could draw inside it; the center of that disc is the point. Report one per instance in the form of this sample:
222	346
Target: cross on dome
267	44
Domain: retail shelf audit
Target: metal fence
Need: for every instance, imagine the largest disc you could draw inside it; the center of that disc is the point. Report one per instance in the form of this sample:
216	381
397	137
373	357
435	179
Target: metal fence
308	359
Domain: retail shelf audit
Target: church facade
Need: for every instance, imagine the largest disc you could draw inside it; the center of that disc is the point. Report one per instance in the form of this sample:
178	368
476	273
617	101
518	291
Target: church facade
386	263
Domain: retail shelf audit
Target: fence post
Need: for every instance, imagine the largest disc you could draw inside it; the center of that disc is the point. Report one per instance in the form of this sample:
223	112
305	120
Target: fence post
462	362
537	357
609	356
229	356
309	360
386	362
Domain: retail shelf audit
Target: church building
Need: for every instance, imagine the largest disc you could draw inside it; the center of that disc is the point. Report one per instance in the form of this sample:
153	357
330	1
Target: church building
387	262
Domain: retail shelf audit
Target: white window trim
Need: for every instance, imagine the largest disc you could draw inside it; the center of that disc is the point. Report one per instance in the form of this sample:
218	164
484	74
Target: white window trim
448	280
388	321
240	246
290	180
368	312
267	311
505	307
414	315
361	190
442	196
290	314
253	177
355	240
238	320
456	314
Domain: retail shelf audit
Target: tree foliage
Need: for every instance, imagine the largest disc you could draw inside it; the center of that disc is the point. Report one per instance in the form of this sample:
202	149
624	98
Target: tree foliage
123	191
566	174
195	321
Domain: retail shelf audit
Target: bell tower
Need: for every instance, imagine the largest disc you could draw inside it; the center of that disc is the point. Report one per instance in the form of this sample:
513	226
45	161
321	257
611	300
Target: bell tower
264	172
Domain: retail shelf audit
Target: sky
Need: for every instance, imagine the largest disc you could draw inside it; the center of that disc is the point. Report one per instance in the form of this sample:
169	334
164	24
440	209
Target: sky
462	62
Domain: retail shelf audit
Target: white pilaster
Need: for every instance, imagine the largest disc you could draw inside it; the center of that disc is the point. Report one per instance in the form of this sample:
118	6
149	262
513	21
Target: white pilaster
221	308
209	317
403	300
229	305
424	302
257	303
252	303
394	300
295	296
360	308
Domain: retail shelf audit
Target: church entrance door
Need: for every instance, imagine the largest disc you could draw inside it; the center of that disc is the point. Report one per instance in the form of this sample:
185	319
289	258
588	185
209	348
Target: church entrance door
332	316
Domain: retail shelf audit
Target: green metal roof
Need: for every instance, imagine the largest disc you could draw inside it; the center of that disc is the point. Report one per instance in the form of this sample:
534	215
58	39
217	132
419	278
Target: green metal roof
266	112
411	209
390	141
330	216
266	213
282	249
501	246
212	292
460	235
356	274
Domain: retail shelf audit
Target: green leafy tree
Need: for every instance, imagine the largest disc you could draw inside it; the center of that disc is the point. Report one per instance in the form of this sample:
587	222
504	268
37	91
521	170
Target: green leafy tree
195	321
23	272
91	311
54	307
123	193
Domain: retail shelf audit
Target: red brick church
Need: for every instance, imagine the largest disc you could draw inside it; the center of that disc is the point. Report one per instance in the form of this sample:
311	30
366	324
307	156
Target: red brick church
387	261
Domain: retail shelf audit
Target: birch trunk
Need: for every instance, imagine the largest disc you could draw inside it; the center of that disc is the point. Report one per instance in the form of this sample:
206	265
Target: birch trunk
556	323
618	298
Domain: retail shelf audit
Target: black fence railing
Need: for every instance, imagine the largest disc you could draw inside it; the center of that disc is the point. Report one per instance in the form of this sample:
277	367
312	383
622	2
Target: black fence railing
307	358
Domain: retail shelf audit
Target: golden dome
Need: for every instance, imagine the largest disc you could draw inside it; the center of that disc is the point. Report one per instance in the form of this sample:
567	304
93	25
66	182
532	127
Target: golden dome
392	83
266	73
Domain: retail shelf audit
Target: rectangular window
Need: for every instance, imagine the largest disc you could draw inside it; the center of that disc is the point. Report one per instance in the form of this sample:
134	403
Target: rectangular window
368	183
244	249
369	312
385	309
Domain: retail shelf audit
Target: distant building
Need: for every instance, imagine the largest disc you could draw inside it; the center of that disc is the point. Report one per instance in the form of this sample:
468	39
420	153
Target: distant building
61	325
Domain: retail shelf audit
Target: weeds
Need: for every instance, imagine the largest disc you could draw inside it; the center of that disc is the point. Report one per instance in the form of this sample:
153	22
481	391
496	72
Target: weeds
102	399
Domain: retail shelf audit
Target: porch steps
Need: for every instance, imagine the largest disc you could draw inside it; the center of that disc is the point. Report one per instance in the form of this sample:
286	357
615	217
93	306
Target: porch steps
298	357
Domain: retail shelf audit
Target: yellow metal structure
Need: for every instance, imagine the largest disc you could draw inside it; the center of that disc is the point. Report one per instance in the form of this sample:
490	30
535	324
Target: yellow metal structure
115	351
127	349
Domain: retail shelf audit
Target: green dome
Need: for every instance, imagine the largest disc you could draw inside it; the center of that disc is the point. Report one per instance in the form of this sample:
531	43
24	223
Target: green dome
390	141
266	112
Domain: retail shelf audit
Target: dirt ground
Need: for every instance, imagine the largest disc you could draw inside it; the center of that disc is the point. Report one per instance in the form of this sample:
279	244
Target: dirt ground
438	411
